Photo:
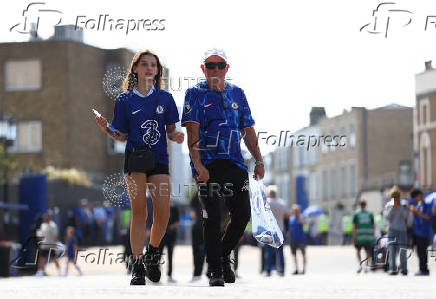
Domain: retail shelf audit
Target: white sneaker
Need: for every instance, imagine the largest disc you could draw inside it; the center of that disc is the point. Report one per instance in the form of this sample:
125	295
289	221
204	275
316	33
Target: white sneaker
359	269
39	273
171	280
195	279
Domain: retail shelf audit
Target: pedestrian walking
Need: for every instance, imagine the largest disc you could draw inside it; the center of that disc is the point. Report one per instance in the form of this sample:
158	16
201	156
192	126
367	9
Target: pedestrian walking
363	235
145	116
397	233
217	116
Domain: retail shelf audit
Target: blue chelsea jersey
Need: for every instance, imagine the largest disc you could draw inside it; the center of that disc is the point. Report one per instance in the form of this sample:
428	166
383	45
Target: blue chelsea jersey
133	114
222	117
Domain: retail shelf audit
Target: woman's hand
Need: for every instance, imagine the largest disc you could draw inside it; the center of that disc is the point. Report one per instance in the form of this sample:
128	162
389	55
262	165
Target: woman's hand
178	137
101	122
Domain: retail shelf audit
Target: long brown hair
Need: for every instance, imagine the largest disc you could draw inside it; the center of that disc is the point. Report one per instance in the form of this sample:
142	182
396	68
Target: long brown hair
131	79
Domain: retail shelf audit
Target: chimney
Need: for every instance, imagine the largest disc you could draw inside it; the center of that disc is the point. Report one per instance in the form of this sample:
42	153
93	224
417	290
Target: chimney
316	114
428	66
34	33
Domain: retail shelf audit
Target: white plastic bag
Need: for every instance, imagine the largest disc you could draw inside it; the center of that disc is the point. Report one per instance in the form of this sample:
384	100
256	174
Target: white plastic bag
264	224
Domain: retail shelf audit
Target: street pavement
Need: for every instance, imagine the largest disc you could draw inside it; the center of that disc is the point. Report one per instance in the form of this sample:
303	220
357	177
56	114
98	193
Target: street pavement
331	273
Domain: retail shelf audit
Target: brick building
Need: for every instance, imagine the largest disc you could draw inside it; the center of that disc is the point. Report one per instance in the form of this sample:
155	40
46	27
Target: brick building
49	87
425	128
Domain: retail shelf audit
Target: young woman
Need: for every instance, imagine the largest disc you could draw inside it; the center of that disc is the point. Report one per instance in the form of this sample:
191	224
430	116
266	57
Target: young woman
145	115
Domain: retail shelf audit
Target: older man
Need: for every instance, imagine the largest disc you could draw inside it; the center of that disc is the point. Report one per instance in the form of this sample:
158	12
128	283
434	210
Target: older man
217	116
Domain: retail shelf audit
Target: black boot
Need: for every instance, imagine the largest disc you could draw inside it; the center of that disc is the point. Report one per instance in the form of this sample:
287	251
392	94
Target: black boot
215	278
152	263
229	275
138	272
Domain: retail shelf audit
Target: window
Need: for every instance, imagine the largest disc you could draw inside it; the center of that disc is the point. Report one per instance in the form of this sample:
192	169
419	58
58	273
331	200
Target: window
324	147
312	187
324	185
116	147
352	180
342	133
29	137
333	185
332	144
22	75
343	183
285	187
424	112
312	155
352	137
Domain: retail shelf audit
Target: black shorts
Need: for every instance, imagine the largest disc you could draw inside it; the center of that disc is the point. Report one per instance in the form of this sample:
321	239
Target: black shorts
367	247
45	252
159	168
300	246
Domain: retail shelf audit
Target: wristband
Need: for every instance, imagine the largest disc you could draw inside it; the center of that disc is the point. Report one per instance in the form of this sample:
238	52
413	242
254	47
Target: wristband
259	163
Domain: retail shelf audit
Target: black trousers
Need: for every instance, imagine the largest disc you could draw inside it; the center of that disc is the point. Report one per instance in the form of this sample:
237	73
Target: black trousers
421	248
228	184
168	241
198	250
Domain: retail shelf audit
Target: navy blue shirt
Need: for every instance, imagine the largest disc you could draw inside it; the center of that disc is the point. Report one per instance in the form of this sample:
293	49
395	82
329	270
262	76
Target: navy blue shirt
421	227
296	230
133	115
222	117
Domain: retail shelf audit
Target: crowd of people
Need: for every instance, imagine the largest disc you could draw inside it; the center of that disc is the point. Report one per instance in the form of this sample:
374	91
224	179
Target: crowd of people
94	224
50	246
409	225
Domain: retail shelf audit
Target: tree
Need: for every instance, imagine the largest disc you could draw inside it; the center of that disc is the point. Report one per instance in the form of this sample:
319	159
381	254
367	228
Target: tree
7	163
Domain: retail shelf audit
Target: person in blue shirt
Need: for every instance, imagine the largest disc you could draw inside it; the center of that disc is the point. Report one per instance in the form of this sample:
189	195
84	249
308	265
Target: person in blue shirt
146	115
217	116
71	242
297	237
421	229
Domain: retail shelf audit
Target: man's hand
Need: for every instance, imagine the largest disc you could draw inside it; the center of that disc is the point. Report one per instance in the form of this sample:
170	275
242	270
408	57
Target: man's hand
178	137
203	173
259	172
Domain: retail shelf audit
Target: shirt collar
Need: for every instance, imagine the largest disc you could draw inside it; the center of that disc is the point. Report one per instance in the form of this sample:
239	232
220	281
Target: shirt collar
203	84
135	91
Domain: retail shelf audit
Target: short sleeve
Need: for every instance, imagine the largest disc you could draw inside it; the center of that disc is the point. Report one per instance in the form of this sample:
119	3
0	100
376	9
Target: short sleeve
172	114
246	119
429	210
120	120
191	109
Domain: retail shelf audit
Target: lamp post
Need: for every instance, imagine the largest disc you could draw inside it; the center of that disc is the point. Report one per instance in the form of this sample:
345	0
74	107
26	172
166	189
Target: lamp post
8	135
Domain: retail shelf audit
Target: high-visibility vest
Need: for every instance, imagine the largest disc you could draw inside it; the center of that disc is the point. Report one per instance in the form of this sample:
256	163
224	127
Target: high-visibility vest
380	222
323	223
306	227
347	224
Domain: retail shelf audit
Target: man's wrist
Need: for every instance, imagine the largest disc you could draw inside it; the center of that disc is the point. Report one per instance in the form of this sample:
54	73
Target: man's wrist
170	135
259	163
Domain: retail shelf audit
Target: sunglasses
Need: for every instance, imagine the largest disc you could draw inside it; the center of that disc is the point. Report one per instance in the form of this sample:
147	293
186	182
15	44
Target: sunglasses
213	65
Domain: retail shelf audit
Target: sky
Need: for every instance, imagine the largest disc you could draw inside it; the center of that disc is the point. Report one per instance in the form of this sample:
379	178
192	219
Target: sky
288	56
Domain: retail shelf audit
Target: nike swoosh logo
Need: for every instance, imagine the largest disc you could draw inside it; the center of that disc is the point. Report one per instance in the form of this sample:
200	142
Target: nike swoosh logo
134	112
207	105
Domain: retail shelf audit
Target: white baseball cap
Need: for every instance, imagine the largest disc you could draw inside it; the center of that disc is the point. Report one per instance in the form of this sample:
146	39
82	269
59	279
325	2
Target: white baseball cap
215	51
